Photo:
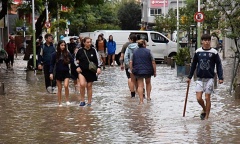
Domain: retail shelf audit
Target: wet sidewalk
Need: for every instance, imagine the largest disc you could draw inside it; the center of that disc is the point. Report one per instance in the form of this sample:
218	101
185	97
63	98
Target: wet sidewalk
28	114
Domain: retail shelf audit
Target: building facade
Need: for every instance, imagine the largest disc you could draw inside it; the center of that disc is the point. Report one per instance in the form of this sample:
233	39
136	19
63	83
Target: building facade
153	8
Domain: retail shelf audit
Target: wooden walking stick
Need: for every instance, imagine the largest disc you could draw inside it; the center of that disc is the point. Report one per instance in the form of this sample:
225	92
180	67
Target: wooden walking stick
185	105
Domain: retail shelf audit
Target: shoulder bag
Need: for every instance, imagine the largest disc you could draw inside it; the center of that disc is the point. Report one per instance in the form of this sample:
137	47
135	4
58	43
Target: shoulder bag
92	67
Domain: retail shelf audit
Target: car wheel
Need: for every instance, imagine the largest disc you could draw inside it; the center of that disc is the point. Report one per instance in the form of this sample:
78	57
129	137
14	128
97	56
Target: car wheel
172	54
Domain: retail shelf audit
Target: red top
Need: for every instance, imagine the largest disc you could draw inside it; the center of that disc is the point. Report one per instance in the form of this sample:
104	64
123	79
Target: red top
10	48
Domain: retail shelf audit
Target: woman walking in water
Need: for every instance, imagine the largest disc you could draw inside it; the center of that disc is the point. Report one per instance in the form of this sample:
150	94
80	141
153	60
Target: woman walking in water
59	65
84	56
143	66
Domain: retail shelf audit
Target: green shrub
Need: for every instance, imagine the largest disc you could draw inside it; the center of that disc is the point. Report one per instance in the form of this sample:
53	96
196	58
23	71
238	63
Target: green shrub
183	56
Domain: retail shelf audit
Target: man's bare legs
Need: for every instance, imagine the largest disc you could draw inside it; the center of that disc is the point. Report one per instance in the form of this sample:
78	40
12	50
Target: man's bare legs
133	84
206	108
208	105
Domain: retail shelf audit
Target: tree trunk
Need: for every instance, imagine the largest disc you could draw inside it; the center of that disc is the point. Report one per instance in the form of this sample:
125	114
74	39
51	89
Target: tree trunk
4	9
40	23
237	88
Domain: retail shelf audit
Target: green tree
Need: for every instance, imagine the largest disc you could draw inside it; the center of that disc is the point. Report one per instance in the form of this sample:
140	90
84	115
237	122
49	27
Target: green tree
167	24
52	4
188	11
229	24
160	24
91	18
171	21
129	15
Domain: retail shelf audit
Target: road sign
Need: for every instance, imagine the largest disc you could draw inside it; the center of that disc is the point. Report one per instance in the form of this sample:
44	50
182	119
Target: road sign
66	31
47	24
199	17
21	29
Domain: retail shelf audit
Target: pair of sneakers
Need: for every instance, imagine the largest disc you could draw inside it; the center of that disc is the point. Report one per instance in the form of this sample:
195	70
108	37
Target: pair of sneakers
83	104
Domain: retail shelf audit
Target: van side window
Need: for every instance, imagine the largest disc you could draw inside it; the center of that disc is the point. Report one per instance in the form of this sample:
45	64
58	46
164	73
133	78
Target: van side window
158	38
141	36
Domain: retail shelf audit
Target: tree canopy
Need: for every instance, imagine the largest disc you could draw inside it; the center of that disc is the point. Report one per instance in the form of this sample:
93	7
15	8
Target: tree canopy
166	24
129	15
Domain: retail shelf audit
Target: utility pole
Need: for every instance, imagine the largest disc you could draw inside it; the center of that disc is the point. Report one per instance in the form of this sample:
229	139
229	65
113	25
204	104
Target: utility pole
177	24
198	28
34	35
47	18
67	28
164	8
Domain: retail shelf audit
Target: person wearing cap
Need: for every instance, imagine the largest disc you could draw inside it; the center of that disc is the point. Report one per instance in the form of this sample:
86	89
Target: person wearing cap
10	49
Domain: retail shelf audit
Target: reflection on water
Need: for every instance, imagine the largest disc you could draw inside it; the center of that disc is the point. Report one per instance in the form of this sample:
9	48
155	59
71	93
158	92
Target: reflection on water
30	115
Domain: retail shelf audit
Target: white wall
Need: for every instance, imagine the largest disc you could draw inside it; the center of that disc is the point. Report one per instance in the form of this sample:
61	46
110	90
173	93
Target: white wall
229	44
146	9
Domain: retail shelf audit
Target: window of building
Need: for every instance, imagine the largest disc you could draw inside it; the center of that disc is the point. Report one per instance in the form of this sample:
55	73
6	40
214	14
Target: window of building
154	12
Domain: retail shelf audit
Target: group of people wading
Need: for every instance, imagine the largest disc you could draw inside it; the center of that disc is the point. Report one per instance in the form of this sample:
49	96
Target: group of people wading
137	61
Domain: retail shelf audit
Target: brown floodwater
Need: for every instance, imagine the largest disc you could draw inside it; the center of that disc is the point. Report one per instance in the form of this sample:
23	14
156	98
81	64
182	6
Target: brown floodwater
28	114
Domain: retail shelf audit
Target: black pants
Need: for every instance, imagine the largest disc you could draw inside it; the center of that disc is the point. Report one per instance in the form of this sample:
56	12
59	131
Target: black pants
46	69
9	60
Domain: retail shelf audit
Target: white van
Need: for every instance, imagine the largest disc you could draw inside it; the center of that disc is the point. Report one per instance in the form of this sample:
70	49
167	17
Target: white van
159	44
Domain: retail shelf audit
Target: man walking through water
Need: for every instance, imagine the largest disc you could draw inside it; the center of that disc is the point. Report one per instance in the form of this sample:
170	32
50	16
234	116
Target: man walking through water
44	59
204	60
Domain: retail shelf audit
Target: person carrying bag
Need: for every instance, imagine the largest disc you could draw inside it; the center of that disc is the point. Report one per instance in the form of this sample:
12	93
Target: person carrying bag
88	69
92	66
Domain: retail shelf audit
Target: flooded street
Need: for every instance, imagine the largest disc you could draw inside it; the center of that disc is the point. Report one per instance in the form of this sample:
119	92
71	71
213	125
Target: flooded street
28	114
